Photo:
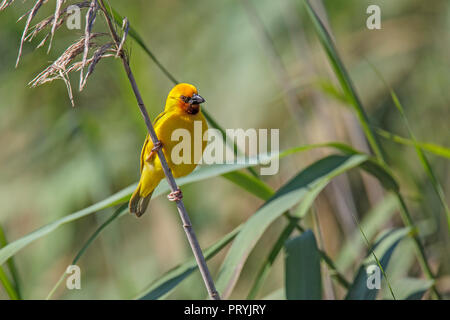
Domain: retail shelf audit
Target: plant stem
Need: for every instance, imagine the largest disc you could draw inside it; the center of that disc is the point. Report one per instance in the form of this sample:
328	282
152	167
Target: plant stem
168	173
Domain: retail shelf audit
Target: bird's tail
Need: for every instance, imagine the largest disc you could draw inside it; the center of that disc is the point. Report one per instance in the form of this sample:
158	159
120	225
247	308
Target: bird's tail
138	204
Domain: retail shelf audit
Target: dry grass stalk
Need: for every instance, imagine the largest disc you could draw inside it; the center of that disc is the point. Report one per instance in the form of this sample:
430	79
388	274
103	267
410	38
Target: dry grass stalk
125	27
56	23
30	17
92	62
90	19
61	67
59	3
5	4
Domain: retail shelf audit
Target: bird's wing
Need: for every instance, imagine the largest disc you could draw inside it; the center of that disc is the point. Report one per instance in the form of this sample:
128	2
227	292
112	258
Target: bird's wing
148	143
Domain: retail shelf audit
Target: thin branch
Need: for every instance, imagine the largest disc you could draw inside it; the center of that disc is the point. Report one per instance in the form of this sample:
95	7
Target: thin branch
125	27
90	18
31	15
170	179
59	3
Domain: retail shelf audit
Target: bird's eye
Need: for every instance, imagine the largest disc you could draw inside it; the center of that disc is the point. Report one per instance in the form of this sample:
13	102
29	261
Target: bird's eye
185	99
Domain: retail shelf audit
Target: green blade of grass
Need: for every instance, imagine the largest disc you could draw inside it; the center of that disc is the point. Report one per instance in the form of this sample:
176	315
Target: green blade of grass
430	147
344	79
13	289
373	221
305	204
250	183
164	285
286	197
168	281
118	198
294	219
303	280
410	288
349	91
122	196
265	268
303	185
383	248
13	247
119	212
9	287
423	159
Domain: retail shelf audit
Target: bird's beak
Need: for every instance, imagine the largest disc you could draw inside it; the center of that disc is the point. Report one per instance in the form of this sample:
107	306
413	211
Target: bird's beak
196	99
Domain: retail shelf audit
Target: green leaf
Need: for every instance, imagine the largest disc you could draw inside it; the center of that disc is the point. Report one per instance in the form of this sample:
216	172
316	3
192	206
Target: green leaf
118	198
250	183
15	246
410	288
430	147
422	157
122	196
268	262
9	287
383	248
302	273
13	289
344	79
171	279
349	90
330	89
286	197
119	212
372	222
300	212
383	175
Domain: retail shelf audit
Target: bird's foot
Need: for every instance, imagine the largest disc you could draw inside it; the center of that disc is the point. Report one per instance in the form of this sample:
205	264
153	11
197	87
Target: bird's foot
175	195
154	150
158	145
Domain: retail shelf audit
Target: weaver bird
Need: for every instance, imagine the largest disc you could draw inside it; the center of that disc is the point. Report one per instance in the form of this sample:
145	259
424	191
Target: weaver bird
181	111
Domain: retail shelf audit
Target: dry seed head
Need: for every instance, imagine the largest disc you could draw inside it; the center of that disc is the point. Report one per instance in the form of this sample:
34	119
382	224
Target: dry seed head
60	68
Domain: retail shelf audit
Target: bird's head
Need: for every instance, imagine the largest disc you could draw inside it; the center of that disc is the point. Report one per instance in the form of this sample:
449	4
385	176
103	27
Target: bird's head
186	97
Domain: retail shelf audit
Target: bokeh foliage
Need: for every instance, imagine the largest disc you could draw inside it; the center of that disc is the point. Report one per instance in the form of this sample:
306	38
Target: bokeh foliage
56	159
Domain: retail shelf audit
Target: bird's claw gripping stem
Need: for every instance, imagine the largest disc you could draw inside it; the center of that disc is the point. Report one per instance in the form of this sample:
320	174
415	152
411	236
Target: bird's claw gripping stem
154	150
175	195
157	146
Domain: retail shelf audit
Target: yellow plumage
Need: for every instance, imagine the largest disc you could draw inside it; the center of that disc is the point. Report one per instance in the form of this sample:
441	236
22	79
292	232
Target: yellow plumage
182	110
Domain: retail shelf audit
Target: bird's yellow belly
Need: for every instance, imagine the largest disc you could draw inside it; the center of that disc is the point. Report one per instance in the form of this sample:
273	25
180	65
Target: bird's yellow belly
183	144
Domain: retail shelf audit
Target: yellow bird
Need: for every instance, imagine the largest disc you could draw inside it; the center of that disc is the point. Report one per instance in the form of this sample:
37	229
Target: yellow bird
182	110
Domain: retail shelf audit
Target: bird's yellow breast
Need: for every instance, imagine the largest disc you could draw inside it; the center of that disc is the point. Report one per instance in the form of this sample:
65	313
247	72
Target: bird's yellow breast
182	137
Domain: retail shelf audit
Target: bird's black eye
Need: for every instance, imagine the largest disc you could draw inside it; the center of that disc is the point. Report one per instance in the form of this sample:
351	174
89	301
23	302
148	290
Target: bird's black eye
185	99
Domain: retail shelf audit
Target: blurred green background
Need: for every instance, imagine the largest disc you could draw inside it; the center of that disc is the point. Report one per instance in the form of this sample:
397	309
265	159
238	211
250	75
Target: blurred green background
56	159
